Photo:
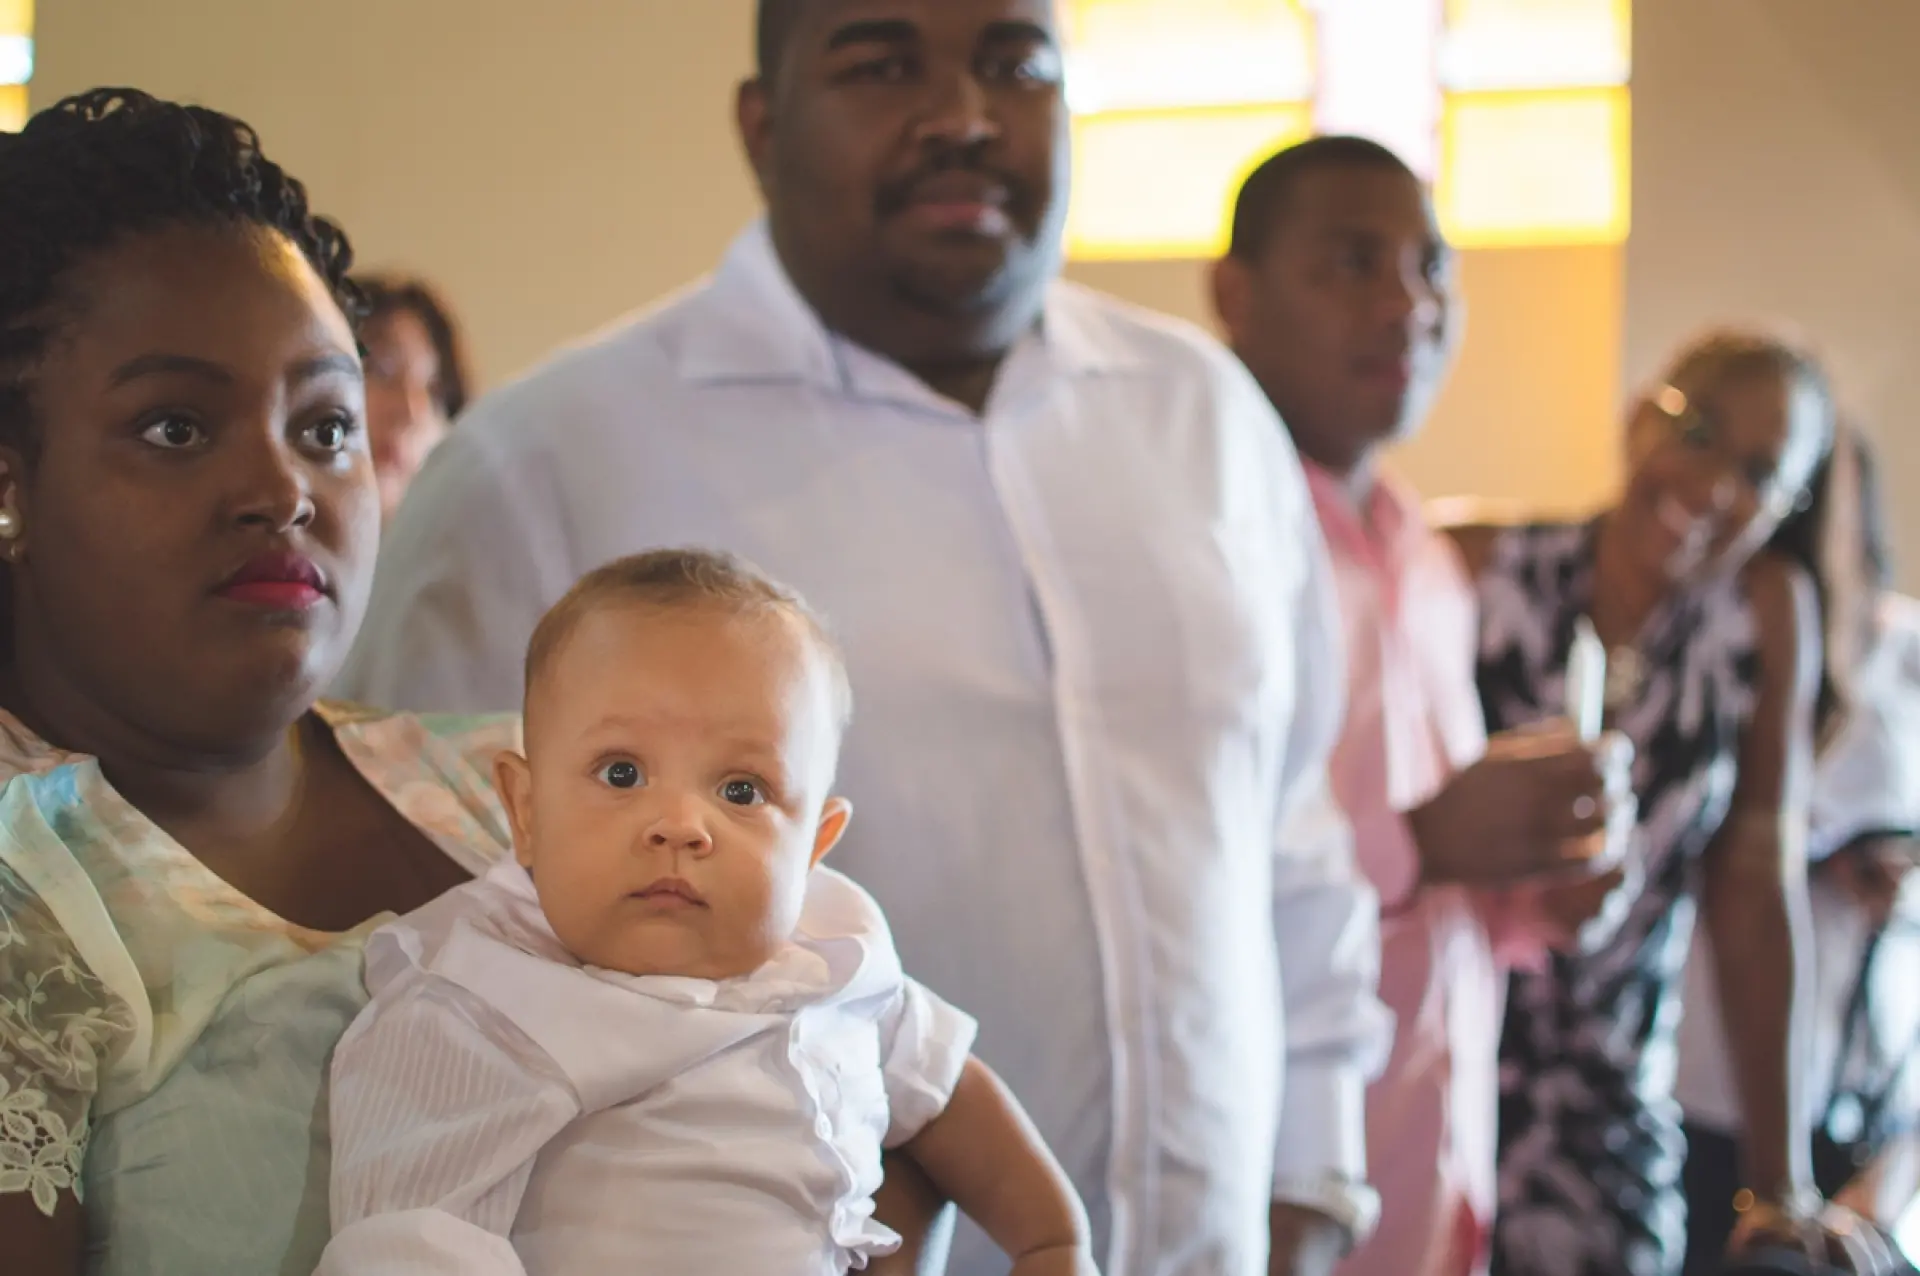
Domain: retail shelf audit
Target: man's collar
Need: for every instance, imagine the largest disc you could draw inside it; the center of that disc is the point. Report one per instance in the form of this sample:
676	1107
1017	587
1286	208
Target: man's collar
754	326
1387	518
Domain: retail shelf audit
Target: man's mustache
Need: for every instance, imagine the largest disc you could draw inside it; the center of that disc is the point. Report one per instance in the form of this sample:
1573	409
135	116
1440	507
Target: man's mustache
896	195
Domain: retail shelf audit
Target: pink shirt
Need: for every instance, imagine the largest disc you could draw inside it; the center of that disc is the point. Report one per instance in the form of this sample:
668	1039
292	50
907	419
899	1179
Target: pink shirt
1413	718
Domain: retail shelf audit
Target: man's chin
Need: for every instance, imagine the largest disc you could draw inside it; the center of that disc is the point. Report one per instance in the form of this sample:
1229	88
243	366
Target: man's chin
960	274
956	289
1405	415
1382	424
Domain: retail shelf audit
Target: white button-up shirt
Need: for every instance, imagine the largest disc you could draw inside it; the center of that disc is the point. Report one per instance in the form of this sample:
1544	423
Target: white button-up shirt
501	1110
1091	638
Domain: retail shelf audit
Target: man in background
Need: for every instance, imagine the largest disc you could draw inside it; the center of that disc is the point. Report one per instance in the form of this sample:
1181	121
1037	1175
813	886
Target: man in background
1074	565
1338	294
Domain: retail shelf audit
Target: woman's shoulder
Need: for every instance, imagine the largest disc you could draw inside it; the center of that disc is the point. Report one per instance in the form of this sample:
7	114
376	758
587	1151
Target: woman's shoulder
436	769
1781	601
351	714
477	738
22	752
72	1006
42	958
1761	624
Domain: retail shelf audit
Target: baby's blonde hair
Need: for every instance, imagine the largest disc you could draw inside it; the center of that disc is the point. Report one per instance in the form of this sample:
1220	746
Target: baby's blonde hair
684	578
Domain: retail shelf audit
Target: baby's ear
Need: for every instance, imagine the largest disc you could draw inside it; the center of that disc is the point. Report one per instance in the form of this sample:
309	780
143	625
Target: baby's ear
513	780
833	823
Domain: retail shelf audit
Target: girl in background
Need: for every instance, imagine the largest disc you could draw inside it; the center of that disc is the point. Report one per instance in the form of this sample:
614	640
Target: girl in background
418	377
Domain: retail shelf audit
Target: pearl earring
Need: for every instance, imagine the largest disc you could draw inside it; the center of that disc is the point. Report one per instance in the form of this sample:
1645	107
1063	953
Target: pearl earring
9	525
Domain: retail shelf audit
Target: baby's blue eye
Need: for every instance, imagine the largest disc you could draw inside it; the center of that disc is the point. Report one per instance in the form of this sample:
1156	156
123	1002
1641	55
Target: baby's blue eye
741	792
620	775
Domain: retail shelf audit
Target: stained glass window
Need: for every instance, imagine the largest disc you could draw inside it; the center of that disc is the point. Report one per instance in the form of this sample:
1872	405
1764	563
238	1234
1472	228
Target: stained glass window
16	62
1516	110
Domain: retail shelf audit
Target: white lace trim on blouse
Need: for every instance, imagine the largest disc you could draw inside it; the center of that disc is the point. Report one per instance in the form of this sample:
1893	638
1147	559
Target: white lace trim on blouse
58	1022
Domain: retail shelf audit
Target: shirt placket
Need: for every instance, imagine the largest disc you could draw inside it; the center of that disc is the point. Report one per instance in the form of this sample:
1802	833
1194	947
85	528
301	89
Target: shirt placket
1118	912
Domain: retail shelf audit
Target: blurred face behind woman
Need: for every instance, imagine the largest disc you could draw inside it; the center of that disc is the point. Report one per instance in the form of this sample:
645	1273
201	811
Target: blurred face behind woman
197	515
407	398
1718	454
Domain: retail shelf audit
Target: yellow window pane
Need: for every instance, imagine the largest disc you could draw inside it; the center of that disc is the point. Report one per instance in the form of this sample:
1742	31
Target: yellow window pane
1162	184
1524	169
16	59
1142	54
1537	44
16	17
13	107
1376	76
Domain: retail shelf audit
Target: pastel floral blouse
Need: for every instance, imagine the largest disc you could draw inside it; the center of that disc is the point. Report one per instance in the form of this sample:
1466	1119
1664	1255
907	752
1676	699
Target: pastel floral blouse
164	1039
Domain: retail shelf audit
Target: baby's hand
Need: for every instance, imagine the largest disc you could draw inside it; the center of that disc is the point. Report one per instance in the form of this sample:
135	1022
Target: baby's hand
1063	1260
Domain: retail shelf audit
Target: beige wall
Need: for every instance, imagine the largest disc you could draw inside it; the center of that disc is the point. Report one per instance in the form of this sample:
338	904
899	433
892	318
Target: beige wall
558	164
1777	175
553	164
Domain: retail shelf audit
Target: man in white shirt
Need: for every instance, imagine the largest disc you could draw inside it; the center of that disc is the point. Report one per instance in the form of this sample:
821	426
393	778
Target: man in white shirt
1084	600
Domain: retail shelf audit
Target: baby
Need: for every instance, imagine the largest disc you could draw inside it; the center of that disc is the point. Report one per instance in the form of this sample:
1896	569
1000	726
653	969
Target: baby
663	1040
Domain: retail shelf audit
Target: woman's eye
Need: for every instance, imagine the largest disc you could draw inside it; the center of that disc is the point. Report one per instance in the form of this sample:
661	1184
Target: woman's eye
330	435
174	433
620	775
742	793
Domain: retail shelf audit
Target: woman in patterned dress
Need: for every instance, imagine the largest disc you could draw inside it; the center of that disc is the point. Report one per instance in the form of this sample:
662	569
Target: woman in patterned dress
1713	669
190	848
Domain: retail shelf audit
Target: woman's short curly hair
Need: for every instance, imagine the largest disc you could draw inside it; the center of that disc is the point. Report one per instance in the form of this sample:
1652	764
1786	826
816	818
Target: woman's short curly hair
385	295
98	167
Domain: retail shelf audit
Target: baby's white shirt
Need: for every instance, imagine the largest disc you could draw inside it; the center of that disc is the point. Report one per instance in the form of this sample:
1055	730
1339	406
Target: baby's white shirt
500	1108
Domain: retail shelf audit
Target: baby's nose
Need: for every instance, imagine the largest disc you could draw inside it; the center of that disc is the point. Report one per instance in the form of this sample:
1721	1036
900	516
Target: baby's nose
681	827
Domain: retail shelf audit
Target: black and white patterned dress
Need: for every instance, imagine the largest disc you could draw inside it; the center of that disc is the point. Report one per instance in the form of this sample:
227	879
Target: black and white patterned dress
1590	1143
